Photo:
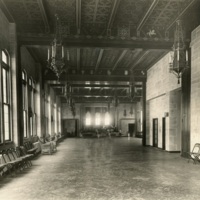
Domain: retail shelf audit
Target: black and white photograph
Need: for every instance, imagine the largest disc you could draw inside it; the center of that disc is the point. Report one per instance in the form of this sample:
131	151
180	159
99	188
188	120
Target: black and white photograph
99	99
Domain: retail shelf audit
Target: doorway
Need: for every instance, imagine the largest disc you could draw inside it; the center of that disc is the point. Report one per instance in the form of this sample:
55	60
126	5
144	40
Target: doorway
70	127
163	133
131	129
155	132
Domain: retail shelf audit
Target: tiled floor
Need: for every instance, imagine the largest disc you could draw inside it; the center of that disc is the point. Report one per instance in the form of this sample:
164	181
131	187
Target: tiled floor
106	169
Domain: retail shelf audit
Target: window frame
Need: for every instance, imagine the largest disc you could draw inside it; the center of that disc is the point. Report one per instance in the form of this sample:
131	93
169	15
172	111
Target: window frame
25	104
5	99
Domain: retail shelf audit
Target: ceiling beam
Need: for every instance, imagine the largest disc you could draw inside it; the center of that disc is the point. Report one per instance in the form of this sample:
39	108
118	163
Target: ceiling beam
119	59
113	13
162	11
95	11
38	40
61	85
94	95
82	77
78	16
139	59
99	59
147	14
78	58
100	86
104	100
44	16
7	13
181	14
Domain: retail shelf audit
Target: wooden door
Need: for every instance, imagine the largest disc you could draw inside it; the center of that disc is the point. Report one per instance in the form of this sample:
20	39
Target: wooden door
155	132
70	127
163	133
131	129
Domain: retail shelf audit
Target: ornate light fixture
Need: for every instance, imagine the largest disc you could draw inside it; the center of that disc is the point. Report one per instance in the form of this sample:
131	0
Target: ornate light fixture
56	52
178	59
132	85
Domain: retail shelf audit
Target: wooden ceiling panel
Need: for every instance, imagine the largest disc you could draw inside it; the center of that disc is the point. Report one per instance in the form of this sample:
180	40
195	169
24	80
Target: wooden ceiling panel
96	11
129	58
149	59
109	58
70	54
95	16
27	14
165	14
89	58
66	10
130	12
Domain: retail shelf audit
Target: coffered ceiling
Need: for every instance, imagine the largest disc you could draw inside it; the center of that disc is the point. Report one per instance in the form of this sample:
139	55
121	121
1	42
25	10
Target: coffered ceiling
105	40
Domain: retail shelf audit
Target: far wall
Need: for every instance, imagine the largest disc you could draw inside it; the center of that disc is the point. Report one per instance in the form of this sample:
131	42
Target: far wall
123	112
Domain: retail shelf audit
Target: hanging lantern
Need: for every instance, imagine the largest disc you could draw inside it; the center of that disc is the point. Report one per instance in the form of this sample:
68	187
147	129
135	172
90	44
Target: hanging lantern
56	52
178	59
132	86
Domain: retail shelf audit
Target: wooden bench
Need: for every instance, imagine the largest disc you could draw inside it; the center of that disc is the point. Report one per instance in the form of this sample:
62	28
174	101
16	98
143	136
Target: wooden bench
3	165
33	145
195	154
30	148
12	161
48	144
60	137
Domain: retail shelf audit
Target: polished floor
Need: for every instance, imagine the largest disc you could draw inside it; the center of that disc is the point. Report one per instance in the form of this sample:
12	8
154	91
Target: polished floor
105	169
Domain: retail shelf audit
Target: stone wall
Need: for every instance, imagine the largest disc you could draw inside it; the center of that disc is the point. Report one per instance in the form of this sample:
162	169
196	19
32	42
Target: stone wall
174	139
195	87
159	85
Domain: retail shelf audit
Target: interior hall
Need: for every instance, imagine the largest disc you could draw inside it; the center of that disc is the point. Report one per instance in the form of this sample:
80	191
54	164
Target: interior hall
99	99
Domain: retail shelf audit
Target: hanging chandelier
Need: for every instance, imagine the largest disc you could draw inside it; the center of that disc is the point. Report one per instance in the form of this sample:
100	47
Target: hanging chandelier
132	85
56	52
178	59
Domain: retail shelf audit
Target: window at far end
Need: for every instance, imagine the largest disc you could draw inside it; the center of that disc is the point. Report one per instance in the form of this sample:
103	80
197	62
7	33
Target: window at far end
97	119
88	119
107	119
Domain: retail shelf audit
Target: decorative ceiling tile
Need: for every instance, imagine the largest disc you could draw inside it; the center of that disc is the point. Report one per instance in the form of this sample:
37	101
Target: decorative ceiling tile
66	9
166	12
97	10
130	12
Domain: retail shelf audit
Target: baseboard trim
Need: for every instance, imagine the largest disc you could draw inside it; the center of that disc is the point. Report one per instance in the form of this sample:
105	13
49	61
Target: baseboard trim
174	151
164	150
